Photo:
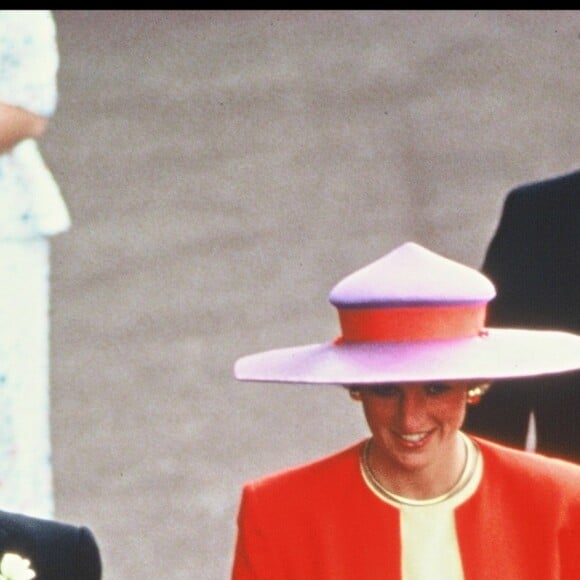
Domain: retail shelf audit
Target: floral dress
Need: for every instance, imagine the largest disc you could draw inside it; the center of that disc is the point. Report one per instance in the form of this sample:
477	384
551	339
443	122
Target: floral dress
31	210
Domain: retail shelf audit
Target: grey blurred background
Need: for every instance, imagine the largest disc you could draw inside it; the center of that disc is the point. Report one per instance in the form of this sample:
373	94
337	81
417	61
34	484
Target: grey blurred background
223	170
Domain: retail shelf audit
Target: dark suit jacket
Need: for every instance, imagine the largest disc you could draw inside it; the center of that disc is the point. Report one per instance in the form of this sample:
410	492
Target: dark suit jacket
57	551
534	261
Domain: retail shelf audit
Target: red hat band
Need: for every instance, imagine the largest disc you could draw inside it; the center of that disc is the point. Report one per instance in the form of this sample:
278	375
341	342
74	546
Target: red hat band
411	323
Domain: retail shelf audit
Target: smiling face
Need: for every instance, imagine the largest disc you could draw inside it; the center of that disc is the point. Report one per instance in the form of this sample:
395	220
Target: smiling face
415	427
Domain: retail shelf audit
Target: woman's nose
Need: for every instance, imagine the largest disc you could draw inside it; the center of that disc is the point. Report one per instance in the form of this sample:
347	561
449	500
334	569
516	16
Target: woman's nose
411	411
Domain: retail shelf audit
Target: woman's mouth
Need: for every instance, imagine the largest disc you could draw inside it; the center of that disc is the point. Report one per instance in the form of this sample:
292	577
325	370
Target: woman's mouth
415	440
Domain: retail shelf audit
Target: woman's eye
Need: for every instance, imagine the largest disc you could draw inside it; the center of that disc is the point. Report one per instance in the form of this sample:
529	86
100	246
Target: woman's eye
384	390
436	388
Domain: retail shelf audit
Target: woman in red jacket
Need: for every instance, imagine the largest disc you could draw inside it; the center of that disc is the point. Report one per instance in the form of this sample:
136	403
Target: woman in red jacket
418	499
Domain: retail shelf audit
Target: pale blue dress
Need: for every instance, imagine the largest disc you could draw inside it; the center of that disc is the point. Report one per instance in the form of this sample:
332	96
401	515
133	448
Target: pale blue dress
31	210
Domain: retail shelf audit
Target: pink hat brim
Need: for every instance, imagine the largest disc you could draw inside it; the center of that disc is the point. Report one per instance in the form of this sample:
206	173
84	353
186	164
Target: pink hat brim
499	354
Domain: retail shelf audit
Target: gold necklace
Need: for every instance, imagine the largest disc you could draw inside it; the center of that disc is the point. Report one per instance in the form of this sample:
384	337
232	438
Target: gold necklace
375	484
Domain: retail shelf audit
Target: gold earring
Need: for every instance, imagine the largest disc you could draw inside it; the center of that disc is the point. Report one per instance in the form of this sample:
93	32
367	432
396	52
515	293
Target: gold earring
475	393
354	393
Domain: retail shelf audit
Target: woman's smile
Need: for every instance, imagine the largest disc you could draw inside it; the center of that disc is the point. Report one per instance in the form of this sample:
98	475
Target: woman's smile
415	440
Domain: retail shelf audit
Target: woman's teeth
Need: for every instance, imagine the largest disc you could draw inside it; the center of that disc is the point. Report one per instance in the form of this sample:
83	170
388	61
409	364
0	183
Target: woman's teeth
414	437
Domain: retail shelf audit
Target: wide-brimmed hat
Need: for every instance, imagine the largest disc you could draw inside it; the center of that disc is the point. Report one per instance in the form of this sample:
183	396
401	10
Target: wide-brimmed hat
414	316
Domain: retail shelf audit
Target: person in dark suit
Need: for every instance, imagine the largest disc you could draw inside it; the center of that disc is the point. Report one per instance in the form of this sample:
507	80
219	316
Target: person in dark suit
42	549
534	261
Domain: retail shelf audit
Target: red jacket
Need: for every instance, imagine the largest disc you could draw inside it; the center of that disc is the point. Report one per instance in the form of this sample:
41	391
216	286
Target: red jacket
321	522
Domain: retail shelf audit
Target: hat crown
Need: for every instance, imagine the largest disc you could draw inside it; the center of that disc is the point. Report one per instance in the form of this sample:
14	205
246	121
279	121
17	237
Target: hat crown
412	275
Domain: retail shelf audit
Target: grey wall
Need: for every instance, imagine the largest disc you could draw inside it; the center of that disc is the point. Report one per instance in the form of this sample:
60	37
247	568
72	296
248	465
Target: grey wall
223	171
